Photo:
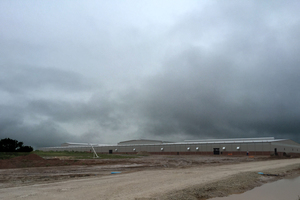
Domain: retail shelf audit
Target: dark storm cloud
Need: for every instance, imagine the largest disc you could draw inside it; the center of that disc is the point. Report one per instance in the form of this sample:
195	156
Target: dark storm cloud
200	95
45	134
218	70
102	111
18	119
244	85
12	125
17	79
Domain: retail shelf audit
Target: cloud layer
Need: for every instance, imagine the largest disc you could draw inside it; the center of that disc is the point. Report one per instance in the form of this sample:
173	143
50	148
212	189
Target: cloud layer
109	71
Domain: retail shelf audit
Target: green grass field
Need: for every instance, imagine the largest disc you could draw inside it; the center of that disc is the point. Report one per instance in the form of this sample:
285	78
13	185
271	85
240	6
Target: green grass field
66	154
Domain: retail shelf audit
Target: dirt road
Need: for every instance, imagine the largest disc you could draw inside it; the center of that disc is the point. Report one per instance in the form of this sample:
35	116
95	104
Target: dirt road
148	184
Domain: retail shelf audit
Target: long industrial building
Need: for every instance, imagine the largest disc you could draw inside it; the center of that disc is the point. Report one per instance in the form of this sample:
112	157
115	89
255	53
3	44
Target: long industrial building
236	146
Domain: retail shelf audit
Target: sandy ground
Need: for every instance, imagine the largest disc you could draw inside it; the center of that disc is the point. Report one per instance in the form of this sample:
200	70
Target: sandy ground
153	177
31	170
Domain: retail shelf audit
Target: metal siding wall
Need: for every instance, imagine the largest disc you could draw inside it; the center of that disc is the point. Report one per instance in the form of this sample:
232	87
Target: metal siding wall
273	147
177	147
182	148
141	147
167	148
210	148
228	147
235	147
173	148
153	148
204	147
285	145
280	149
267	147
150	148
244	147
106	149
215	146
290	142
137	149
127	149
97	149
122	149
239	145
200	147
193	148
156	148
185	147
252	147
259	147
113	149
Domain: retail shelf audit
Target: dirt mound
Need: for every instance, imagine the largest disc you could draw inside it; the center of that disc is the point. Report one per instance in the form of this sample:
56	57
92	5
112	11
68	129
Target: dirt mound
27	157
21	161
33	160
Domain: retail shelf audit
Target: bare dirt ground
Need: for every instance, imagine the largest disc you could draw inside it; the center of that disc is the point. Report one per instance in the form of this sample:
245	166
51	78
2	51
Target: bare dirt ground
146	177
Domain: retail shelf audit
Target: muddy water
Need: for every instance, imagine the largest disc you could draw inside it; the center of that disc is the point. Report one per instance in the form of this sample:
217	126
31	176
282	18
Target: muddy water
288	189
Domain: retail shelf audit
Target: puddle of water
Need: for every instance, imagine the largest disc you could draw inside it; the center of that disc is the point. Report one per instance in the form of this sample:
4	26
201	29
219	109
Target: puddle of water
279	190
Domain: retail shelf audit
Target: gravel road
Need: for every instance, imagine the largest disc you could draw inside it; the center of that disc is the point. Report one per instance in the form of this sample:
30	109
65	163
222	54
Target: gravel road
148	184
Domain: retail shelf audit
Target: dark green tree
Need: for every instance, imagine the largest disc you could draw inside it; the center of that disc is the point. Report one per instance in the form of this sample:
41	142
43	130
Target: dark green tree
10	145
26	149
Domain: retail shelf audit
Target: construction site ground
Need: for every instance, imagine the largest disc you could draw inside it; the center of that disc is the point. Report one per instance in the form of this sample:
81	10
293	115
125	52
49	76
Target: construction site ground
144	177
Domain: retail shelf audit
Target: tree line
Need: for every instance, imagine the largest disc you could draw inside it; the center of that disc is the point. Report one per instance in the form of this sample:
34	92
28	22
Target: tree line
10	145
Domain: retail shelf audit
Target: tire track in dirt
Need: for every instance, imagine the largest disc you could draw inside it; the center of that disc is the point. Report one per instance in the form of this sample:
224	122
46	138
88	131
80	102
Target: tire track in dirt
155	184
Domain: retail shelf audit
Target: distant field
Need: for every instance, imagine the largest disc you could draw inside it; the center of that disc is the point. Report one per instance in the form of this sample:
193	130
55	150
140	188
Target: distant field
64	154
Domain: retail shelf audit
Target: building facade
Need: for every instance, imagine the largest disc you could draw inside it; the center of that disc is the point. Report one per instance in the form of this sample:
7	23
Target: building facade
237	146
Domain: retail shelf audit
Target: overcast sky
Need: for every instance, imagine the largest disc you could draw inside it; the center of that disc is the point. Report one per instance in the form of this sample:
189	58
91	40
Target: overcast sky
107	71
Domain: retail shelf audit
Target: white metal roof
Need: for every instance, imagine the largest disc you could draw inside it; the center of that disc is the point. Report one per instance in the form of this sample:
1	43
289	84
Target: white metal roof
228	141
217	141
231	139
145	140
186	142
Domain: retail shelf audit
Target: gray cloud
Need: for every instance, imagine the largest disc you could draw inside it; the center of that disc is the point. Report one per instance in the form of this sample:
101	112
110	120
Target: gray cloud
17	79
215	70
